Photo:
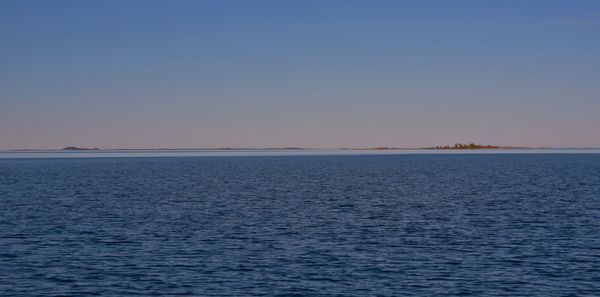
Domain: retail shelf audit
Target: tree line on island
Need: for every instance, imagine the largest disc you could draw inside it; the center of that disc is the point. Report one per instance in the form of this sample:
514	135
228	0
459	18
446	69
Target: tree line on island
456	146
464	146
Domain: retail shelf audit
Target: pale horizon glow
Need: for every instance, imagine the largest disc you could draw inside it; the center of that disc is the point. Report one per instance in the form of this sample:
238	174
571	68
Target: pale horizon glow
312	74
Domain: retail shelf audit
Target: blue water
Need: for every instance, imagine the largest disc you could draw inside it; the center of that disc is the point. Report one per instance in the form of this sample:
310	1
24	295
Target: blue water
370	225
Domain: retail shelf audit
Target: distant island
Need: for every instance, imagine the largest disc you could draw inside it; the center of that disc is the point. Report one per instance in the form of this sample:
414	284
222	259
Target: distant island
472	146
74	148
456	146
378	148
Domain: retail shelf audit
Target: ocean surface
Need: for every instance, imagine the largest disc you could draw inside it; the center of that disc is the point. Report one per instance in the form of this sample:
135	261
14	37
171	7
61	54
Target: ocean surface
292	225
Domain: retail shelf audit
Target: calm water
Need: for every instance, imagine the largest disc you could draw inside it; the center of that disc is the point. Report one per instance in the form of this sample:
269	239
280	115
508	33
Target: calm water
371	225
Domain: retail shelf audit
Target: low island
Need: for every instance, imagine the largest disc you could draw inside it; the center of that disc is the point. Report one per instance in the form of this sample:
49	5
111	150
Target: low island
472	146
74	148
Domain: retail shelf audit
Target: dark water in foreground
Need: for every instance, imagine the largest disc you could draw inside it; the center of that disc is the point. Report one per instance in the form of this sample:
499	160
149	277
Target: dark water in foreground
390	225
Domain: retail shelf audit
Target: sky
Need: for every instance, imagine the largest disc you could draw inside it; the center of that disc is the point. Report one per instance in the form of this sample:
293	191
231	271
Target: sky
299	73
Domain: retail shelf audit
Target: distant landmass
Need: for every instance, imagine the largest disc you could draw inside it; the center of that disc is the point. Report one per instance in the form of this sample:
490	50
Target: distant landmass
456	146
74	148
472	146
379	148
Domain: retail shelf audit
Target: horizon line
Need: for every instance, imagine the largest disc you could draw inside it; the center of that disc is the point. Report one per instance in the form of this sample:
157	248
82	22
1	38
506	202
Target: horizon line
381	148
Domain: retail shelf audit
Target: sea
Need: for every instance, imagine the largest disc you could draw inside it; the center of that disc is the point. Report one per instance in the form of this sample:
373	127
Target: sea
297	223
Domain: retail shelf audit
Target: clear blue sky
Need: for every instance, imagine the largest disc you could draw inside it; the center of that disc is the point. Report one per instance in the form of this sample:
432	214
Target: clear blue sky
305	73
